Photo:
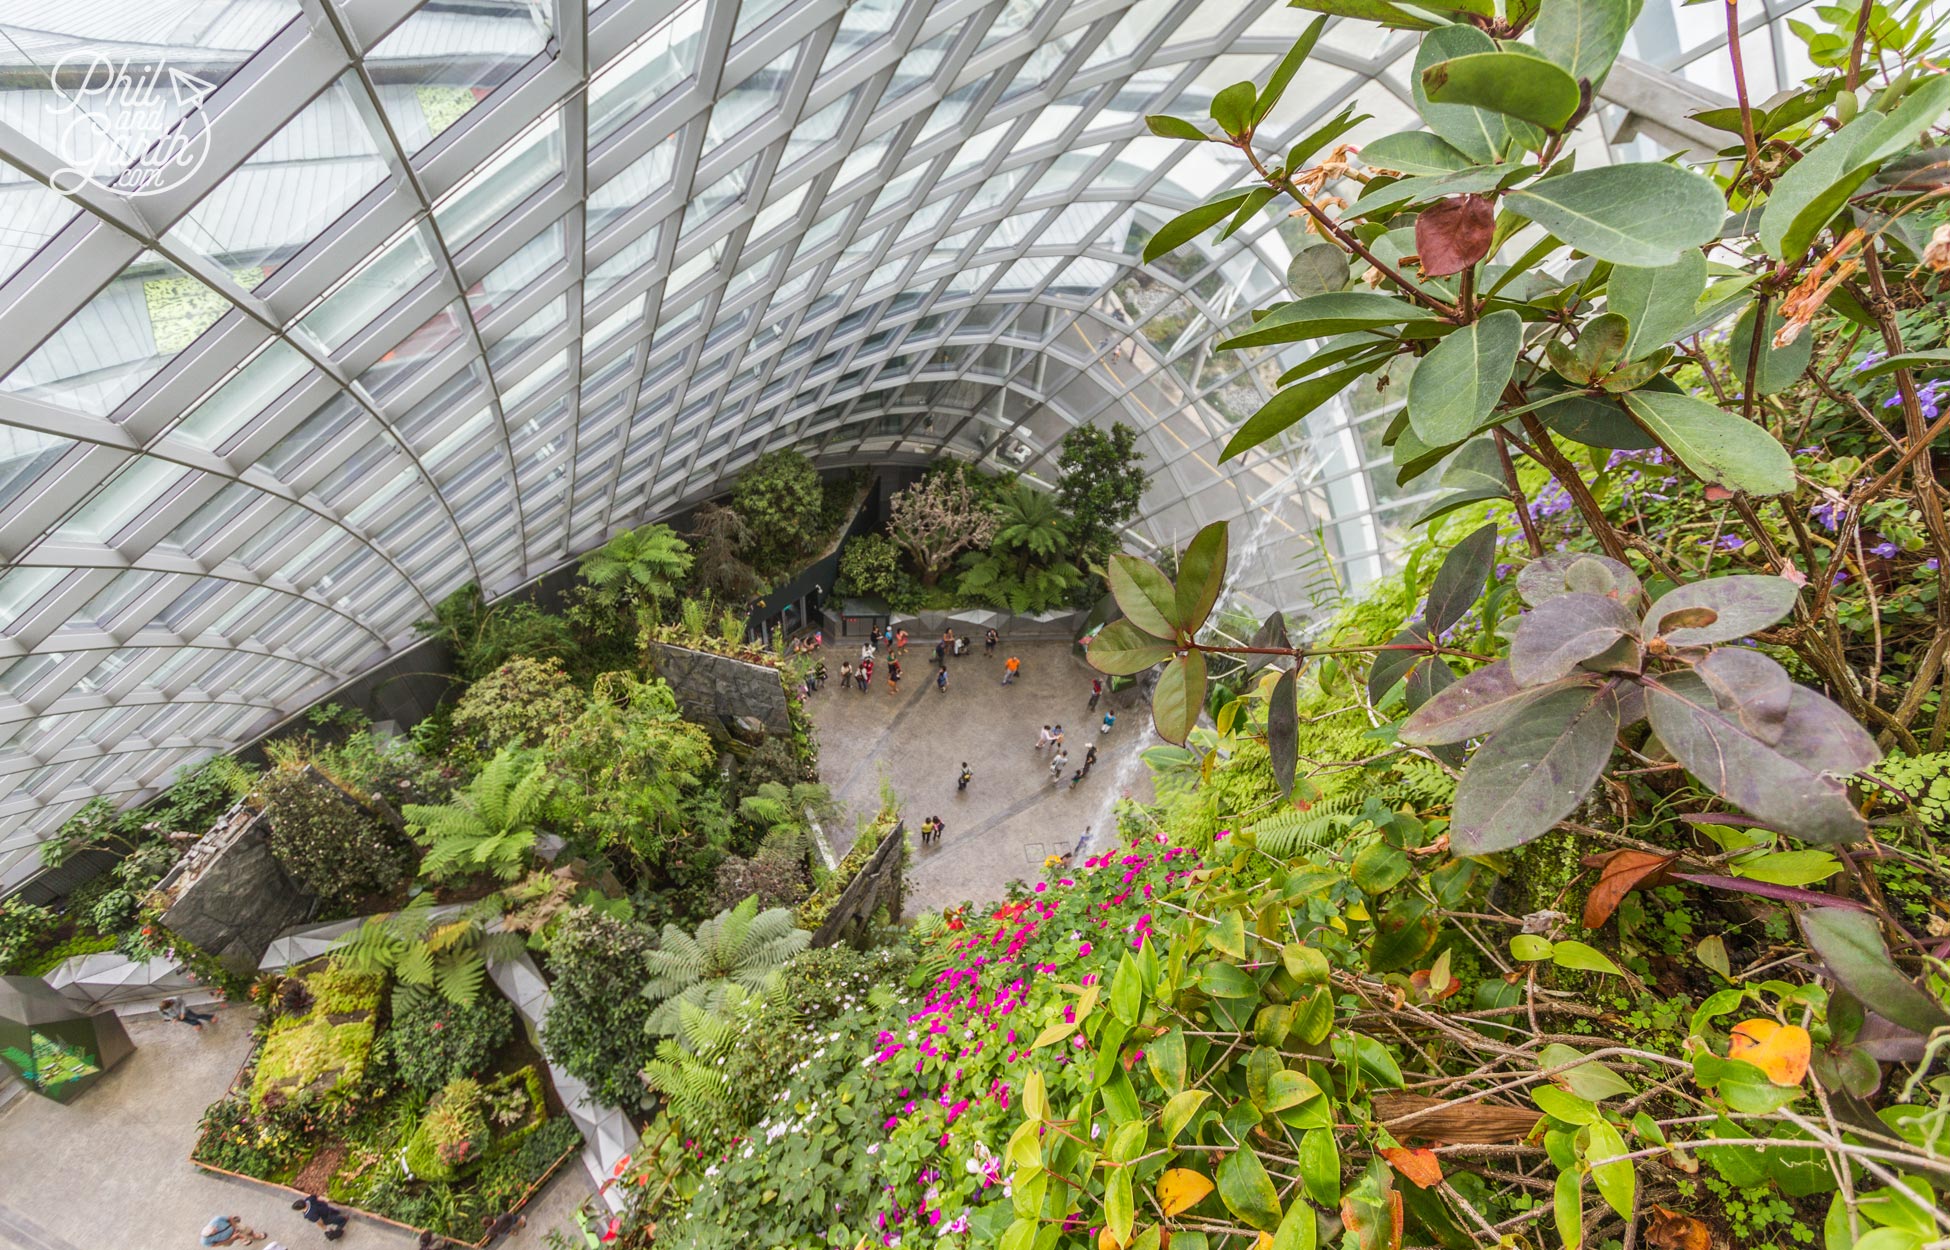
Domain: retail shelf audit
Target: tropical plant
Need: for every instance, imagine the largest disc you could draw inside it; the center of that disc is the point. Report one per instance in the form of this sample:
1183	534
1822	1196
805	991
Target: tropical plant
517	704
938	517
639	566
430	952
690	1067
596	1029
432	1040
489	827
451	1135
482	638
719	538
329	842
633	764
742	946
870	565
779	497
1100	483
24	928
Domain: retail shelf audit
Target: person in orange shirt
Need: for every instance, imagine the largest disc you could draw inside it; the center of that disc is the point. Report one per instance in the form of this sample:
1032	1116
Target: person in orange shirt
1010	667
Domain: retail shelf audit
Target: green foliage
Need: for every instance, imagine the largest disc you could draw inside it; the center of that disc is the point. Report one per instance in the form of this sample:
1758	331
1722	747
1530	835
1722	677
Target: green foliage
632	769
1100	484
428	955
452	1134
779	498
870	565
516	705
432	1041
743	947
24	929
639	566
315	1061
489	828
597	1030
327	839
482	638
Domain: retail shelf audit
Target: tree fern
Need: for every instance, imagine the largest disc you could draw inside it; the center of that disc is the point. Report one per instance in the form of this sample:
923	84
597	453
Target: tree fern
1291	830
489	827
742	947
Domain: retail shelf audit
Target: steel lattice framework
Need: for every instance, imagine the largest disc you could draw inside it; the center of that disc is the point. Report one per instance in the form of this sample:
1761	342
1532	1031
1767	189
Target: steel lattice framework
465	286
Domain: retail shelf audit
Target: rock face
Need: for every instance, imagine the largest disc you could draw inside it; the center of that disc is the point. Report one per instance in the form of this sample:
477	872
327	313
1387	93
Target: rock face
717	690
880	883
230	896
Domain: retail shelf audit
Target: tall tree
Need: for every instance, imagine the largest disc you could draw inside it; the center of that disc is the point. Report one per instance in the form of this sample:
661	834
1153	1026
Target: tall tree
719	537
1100	483
637	566
937	517
780	498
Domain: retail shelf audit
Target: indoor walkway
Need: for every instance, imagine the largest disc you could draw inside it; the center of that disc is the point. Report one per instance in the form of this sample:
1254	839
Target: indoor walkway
1011	816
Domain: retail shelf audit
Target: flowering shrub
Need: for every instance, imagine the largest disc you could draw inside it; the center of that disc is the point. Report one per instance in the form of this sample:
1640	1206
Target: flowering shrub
432	1041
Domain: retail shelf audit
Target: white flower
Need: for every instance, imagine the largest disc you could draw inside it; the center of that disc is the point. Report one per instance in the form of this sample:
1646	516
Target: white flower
712	1170
874	1149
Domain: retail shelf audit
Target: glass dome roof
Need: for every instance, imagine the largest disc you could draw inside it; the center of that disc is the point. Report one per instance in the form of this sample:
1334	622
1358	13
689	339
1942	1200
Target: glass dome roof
453	290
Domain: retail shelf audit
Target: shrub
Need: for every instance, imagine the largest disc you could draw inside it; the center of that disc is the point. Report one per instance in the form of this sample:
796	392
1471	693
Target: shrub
453	1133
776	877
482	638
1100	484
24	927
515	705
327	841
870	564
432	1041
779	497
596	1028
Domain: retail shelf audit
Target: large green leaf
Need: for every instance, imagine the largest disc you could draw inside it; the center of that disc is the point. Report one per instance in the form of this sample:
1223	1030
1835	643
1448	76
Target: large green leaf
1479	704
1723	448
1657	302
1247	1191
1121	649
1232	108
1849	942
1584	36
1190	224
1484	137
1460	580
1318	316
1458	384
1637	214
1201	572
1414	152
1369	11
1778	367
1145	594
1180	696
1290	404
1933	359
1511	83
1317	270
1289	66
1530	774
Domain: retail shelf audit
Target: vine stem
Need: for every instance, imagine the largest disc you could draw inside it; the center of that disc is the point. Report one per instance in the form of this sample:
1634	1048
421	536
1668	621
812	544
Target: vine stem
1740	93
1530	538
1334	230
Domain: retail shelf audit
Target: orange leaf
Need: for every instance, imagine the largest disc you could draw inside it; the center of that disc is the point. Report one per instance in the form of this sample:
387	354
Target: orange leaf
1181	1189
1263	1242
1676	1230
1107	1240
1419	1165
1619	873
1779	1050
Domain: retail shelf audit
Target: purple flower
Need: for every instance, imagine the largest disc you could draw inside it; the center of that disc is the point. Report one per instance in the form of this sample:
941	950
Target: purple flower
1840	577
1885	549
1829	515
1730	542
1869	360
1930	564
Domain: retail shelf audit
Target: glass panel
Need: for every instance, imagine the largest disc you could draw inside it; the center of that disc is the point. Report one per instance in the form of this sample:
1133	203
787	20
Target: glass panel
140	483
119	339
750	100
403	265
320	164
448	57
242	396
512	276
658	62
505	181
647	176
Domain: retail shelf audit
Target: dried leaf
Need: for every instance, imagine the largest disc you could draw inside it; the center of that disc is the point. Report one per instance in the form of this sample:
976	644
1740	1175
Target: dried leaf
1676	1230
1779	1050
1181	1189
1619	873
1453	234
1418	1165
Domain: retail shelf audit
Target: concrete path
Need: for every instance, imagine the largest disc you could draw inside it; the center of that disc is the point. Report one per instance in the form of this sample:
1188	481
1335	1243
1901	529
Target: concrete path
112	1169
1011	815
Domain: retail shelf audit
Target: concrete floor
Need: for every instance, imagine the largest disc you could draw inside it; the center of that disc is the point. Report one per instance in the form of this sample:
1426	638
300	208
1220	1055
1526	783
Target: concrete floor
1011	815
112	1169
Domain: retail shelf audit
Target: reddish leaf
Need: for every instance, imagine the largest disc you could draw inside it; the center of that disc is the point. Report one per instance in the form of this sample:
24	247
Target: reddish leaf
1419	1166
1454	234
1780	1050
1619	873
1676	1230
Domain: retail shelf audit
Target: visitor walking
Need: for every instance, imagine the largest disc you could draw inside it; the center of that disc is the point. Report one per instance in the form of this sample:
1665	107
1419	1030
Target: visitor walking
1089	758
1010	667
1110	722
941	681
1056	737
961	647
1056	764
500	1225
893	677
228	1230
322	1213
961	782
866	676
989	640
180	1012
846	672
1044	738
900	643
941	654
819	673
1075	777
948	638
1096	693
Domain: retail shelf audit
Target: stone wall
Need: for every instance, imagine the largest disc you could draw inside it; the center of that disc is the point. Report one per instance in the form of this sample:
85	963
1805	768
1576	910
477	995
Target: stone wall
716	689
230	896
880	883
